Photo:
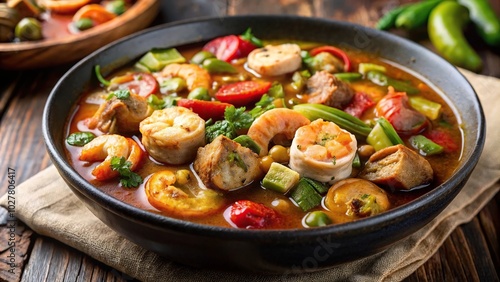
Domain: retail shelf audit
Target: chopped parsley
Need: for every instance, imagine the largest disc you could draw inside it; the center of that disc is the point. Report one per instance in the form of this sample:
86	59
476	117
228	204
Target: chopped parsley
122	94
236	119
128	178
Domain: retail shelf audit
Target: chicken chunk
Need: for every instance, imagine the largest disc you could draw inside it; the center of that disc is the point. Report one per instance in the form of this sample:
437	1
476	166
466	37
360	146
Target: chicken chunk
121	115
325	88
226	165
398	168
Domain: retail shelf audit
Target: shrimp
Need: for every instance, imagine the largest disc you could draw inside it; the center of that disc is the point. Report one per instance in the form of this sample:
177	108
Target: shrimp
275	122
104	148
194	75
165	196
120	115
323	151
173	135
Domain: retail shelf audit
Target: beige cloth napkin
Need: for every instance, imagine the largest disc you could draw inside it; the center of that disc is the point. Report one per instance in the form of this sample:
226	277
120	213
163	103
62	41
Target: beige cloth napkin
48	206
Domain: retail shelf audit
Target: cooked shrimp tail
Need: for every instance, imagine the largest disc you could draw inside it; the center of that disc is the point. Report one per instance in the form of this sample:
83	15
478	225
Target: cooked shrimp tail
279	121
104	148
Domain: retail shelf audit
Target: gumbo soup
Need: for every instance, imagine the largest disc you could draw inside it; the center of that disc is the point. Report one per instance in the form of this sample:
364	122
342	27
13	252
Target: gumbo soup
272	135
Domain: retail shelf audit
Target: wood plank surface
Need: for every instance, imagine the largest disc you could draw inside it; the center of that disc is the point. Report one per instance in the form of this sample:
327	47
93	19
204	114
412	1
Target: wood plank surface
471	253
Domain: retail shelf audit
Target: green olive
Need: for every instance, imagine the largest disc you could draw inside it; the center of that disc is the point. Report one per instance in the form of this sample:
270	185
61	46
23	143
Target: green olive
200	93
116	7
29	29
84	24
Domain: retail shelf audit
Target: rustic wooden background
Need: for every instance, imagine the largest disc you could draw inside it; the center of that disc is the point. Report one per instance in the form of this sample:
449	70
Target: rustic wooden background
471	253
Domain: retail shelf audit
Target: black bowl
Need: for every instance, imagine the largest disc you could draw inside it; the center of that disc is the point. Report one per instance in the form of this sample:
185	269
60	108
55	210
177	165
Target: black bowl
273	251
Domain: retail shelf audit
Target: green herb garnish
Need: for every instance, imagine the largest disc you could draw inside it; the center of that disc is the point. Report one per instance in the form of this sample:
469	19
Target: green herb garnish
80	138
128	178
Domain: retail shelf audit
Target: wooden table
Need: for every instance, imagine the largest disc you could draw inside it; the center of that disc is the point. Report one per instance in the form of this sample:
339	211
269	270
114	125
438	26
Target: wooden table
470	253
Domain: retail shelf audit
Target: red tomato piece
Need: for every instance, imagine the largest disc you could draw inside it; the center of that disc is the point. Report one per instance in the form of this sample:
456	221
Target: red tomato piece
442	138
359	104
205	109
334	51
229	47
396	108
243	92
251	215
142	84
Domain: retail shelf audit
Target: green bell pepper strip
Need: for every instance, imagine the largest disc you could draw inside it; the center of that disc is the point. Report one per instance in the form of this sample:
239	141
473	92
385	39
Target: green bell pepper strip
445	26
341	118
378	139
390	131
483	16
425	146
429	108
416	15
248	142
158	58
348	76
364	68
381	79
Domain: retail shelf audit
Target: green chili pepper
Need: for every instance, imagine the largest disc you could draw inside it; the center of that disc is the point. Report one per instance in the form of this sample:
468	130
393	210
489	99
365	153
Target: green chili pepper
416	15
425	146
389	19
348	76
446	22
200	93
381	79
213	65
483	16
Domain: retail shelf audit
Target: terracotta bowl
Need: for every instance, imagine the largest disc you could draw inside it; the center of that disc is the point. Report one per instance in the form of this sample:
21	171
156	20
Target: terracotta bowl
51	52
267	251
